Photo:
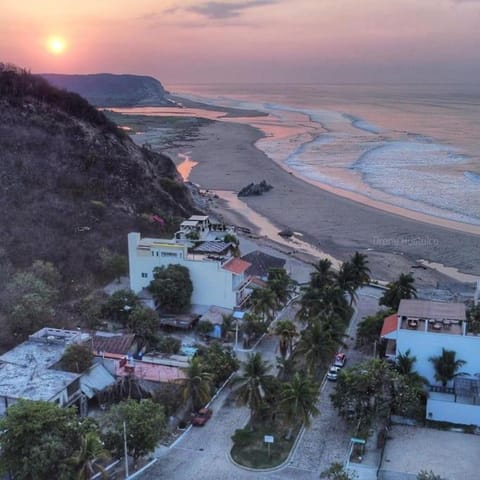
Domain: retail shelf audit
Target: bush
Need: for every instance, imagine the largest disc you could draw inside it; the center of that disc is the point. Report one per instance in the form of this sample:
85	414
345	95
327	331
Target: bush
168	344
242	437
205	328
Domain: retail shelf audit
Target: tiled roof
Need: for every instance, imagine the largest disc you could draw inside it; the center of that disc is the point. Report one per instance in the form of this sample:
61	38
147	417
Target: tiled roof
119	344
236	265
262	263
389	325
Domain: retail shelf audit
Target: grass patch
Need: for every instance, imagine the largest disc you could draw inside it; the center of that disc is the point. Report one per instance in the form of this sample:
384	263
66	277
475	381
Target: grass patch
250	450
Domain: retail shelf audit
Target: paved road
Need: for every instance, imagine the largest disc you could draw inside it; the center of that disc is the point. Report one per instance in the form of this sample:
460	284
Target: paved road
202	453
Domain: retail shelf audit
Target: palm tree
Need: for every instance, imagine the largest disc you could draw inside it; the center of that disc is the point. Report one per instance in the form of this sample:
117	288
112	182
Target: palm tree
263	303
347	281
446	366
323	274
286	367
287	331
298	400
398	290
281	285
255	382
197	386
405	364
360	269
318	343
86	459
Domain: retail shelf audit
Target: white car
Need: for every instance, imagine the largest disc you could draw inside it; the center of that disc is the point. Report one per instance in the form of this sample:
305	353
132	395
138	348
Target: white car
332	373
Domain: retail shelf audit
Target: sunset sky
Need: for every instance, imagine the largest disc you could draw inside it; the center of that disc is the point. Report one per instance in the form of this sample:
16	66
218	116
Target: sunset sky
194	41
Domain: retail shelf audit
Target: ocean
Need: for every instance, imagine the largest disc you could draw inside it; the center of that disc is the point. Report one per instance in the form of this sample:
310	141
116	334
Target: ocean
410	146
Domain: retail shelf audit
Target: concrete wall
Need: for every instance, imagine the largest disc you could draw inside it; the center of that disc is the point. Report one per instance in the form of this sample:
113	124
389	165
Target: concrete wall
212	285
391	475
448	411
424	345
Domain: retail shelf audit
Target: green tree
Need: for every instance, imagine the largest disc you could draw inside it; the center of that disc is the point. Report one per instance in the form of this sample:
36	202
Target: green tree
120	305
297	401
143	322
30	299
323	274
37	439
403	288
372	390
219	362
336	471
86	460
286	331
281	285
446	366
113	265
144	424
369	329
231	238
77	358
255	382
359	264
317	344
197	387
473	319
172	288
263	303
347	281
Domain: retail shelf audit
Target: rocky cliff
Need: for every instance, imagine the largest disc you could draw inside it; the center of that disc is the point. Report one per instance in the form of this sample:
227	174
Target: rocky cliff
108	90
71	182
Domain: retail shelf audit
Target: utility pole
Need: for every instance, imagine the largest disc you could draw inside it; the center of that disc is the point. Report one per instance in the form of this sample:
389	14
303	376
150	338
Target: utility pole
125	448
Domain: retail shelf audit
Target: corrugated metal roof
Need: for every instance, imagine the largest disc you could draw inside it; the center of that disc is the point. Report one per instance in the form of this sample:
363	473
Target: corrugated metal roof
95	380
119	344
429	309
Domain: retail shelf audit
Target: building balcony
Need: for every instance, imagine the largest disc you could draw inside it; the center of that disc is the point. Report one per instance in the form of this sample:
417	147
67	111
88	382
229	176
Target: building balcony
451	327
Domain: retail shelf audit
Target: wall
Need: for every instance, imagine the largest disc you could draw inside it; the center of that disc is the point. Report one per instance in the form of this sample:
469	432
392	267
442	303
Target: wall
212	285
424	345
445	411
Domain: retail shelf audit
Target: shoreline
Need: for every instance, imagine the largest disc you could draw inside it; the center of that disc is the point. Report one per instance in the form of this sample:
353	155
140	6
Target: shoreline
226	155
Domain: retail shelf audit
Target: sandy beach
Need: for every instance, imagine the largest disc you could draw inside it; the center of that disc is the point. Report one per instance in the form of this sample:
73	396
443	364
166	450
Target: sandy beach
227	160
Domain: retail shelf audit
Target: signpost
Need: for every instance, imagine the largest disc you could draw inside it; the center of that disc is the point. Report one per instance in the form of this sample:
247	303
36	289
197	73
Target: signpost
268	439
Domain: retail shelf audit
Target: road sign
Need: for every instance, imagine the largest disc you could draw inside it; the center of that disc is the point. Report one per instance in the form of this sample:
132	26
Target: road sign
268	438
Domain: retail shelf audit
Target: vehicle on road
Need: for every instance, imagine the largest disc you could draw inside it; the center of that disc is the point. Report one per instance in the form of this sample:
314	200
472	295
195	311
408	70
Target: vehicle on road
202	417
340	359
333	372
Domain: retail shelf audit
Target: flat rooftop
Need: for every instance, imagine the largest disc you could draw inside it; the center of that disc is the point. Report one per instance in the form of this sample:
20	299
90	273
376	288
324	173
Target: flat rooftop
451	455
429	309
25	370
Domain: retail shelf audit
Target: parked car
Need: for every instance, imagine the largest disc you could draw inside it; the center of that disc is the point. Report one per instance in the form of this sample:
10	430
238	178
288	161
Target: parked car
332	373
202	417
340	359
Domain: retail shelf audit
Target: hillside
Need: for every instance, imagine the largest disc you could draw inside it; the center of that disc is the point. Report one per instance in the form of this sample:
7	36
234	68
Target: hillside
108	90
71	182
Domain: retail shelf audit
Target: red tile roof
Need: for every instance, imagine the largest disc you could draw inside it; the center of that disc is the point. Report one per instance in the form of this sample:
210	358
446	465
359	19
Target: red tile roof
151	371
389	325
236	265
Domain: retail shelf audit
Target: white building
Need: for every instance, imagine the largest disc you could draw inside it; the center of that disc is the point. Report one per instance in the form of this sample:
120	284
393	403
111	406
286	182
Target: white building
218	278
425	328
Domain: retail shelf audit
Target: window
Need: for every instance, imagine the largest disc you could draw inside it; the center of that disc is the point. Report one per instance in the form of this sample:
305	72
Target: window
153	254
157	253
169	254
144	275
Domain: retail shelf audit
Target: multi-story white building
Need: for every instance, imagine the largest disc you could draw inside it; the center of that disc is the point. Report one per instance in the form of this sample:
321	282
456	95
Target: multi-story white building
425	328
218	278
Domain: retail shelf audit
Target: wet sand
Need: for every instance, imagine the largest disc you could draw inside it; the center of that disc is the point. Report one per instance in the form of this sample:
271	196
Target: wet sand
228	160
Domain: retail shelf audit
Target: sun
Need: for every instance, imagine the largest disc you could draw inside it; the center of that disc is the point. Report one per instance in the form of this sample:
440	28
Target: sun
56	45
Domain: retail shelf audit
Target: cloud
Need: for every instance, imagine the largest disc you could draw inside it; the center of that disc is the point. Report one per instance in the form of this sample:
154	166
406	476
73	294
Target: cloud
220	10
